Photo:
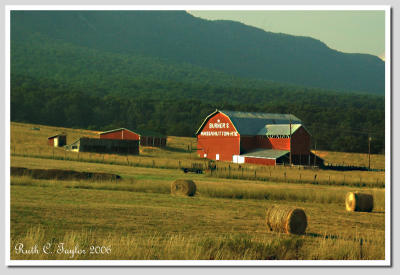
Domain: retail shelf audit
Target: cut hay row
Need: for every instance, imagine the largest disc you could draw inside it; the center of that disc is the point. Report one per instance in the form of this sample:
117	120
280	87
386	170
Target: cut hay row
58	174
362	202
286	219
183	187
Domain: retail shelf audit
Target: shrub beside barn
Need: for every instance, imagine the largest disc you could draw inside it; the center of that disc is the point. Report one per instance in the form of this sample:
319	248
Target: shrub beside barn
258	138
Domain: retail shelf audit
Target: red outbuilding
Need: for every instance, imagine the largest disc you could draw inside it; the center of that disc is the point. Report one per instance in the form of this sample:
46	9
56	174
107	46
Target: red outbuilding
58	140
120	134
257	138
146	138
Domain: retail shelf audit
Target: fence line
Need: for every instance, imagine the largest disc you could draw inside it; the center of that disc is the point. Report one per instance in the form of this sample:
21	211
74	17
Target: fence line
224	170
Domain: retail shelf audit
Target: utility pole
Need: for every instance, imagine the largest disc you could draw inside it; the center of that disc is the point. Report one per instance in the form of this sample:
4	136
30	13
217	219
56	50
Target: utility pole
315	152
369	152
290	140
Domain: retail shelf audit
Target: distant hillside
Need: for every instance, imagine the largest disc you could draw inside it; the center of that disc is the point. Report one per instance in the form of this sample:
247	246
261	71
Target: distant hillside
119	46
102	72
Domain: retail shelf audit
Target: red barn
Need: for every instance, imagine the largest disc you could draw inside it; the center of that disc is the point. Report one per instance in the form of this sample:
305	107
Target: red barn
258	138
146	138
121	134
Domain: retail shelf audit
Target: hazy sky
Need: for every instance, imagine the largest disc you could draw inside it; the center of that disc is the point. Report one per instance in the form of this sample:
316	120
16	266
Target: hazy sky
345	31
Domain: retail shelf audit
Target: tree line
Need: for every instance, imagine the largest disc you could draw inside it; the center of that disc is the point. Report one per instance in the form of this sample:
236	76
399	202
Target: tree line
336	121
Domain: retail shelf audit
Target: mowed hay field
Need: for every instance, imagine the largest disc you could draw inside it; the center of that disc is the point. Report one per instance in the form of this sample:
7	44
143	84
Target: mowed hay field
137	218
352	159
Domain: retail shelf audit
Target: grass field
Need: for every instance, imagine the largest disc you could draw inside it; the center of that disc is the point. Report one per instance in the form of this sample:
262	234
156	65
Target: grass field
137	218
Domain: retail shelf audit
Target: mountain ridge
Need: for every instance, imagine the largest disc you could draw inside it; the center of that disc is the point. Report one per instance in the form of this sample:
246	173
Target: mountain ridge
229	47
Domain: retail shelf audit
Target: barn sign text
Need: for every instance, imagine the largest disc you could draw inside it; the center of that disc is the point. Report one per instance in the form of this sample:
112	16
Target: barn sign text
219	134
218	125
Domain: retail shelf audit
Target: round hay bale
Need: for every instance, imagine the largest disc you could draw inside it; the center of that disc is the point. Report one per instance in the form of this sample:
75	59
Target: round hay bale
183	187
286	219
362	202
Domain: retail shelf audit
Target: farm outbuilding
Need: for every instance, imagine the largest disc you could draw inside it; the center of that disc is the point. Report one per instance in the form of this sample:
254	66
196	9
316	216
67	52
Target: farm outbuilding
146	138
257	138
150	138
58	140
120	134
113	146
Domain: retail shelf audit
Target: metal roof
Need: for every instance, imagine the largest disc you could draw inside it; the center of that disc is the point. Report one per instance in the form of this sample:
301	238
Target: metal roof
252	123
116	130
279	129
266	153
58	135
275	118
248	123
146	133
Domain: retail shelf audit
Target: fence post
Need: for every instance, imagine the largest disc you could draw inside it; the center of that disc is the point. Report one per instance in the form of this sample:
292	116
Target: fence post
154	163
284	174
255	174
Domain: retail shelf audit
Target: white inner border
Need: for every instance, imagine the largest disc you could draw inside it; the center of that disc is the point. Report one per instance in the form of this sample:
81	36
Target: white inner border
386	262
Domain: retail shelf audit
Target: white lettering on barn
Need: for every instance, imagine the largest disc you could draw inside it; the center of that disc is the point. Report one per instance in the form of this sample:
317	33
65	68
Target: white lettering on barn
219	134
218	125
214	127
